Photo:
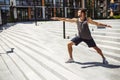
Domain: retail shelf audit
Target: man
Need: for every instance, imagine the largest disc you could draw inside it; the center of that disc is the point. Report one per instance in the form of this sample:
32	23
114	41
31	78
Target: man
83	34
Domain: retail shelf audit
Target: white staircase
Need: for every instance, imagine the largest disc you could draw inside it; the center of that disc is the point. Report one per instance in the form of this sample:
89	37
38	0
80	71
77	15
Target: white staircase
40	53
30	59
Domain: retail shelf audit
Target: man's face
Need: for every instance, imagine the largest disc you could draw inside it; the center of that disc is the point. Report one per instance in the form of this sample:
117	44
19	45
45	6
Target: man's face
80	14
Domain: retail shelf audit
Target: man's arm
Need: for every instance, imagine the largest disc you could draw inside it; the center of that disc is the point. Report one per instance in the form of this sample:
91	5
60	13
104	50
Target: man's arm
65	19
97	23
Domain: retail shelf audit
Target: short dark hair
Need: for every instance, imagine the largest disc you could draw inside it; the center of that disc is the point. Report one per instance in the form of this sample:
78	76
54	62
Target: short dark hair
83	10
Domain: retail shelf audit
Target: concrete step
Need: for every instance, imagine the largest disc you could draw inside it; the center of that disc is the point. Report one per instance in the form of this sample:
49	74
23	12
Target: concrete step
42	52
108	30
1	50
28	61
65	77
34	36
5	73
106	33
22	73
13	68
112	55
33	63
107	48
109	38
4	47
110	48
108	43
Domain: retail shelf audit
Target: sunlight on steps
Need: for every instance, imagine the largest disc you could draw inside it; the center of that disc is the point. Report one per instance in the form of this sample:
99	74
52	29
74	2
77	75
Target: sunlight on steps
40	52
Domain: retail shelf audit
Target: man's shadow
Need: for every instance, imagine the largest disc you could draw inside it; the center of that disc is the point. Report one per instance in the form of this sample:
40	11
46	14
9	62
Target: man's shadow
95	64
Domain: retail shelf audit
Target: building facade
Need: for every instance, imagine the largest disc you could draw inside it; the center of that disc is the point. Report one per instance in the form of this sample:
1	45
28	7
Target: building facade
44	9
26	10
103	8
4	9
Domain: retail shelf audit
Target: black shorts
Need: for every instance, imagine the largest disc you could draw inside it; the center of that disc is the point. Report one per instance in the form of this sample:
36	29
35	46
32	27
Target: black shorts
90	43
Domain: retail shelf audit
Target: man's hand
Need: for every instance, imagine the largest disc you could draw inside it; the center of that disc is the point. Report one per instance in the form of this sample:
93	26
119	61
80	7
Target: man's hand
109	26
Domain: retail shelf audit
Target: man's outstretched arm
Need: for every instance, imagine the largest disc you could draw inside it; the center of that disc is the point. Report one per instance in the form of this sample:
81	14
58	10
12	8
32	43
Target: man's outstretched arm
65	19
97	23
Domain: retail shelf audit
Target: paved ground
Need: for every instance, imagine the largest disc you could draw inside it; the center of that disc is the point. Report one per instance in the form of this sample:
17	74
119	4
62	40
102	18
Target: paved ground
40	53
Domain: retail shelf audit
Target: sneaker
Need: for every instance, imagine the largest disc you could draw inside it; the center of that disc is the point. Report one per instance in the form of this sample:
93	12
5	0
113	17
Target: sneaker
70	61
105	61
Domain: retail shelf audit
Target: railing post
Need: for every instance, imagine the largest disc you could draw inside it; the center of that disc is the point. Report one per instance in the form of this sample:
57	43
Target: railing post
64	34
35	13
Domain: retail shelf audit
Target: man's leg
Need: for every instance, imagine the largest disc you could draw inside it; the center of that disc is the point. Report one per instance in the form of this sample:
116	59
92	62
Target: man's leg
70	49
100	52
75	41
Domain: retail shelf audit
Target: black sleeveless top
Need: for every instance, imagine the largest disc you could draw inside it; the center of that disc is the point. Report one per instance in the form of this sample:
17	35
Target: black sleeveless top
83	29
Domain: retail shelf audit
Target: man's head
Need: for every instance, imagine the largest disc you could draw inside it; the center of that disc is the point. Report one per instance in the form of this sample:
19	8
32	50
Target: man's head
81	13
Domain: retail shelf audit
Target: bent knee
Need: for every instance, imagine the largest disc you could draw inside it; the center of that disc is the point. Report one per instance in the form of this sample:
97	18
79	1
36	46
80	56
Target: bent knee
70	43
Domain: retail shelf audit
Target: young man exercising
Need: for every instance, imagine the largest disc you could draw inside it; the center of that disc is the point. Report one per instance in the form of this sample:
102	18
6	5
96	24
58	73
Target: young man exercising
83	34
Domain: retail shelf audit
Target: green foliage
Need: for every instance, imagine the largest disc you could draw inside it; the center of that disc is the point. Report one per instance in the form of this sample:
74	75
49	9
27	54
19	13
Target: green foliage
116	17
